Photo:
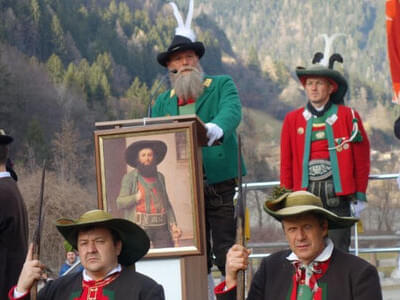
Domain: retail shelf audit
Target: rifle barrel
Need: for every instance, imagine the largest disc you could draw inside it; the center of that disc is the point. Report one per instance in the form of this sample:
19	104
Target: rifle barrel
240	221
36	236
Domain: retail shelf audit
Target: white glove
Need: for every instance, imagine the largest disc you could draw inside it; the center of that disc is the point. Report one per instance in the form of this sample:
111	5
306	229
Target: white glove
357	207
214	133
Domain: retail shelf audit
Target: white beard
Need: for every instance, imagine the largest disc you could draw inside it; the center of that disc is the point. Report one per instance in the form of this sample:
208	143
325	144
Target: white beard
188	85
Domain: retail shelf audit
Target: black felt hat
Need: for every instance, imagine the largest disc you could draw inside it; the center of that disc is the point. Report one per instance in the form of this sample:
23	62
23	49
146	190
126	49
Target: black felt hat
184	39
180	43
159	149
4	138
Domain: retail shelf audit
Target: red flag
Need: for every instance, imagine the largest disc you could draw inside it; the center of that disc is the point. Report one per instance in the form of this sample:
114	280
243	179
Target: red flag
393	43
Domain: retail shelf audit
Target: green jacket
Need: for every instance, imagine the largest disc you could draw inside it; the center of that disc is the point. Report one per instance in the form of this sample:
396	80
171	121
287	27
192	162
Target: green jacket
219	104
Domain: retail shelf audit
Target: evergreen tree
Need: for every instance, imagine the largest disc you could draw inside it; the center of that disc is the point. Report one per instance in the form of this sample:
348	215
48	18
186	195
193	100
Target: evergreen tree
56	69
58	38
35	7
138	98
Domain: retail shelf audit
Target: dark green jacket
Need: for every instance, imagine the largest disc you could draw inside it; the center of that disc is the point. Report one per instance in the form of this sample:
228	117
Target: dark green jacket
130	285
13	234
219	104
348	278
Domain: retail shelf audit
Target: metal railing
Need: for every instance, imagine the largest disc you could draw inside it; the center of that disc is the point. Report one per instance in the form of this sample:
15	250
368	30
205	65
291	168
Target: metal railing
269	184
356	250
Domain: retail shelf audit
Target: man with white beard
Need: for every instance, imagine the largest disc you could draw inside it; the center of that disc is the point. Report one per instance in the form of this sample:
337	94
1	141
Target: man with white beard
215	100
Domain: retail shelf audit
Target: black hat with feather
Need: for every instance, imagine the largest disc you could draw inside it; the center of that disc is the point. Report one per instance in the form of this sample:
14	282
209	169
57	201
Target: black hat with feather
184	39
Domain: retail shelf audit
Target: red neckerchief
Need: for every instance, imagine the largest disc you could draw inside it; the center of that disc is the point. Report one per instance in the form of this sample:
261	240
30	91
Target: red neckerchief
182	102
93	289
299	277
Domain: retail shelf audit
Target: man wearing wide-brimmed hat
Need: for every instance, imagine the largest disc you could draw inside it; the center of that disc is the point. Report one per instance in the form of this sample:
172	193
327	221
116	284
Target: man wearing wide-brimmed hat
324	147
108	247
143	195
313	268
215	100
13	223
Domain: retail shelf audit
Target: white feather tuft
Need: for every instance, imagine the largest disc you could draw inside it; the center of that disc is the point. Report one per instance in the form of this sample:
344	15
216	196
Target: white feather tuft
328	47
190	15
184	29
177	14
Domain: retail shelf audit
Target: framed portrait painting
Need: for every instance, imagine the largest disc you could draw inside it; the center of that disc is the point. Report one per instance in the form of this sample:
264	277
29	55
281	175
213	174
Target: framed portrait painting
152	175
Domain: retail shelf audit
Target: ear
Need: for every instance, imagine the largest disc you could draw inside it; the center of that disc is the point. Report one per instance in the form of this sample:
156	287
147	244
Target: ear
168	64
118	247
325	227
331	88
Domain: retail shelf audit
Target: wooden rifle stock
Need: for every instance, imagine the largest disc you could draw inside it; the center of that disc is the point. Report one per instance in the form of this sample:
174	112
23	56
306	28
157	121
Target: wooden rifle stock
34	288
240	289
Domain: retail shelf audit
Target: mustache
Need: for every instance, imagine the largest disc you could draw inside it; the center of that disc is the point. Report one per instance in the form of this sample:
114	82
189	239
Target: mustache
187	68
180	72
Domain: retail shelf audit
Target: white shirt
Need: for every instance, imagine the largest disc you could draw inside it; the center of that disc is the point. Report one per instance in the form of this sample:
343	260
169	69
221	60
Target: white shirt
5	174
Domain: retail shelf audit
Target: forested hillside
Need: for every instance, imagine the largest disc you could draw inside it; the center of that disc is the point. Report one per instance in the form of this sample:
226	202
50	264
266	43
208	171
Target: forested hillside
274	37
288	31
65	64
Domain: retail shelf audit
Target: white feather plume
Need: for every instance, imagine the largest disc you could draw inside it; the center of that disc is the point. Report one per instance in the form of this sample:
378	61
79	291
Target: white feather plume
328	47
184	29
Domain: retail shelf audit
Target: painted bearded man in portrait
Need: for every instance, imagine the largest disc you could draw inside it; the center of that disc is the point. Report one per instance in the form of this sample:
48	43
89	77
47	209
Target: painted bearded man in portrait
143	195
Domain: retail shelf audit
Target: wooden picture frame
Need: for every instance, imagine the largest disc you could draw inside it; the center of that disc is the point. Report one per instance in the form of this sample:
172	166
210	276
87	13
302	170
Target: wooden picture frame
180	170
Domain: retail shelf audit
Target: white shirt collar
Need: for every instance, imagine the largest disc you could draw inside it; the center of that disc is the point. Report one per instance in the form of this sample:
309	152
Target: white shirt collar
86	277
323	256
321	108
5	174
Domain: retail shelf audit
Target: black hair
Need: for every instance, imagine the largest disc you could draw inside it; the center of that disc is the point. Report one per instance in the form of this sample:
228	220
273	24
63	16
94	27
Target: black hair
115	235
3	154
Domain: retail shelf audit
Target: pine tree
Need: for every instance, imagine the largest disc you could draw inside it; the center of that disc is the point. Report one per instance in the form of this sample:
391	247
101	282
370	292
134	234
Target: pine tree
56	69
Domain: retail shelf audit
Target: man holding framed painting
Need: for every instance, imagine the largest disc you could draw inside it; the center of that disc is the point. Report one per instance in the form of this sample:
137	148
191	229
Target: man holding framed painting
215	100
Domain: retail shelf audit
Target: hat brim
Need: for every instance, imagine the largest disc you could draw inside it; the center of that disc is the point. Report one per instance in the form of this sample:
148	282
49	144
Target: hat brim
131	153
334	221
135	242
5	139
336	97
197	47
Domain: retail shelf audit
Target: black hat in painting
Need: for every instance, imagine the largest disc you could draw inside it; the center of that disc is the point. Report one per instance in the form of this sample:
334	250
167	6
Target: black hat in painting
132	152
